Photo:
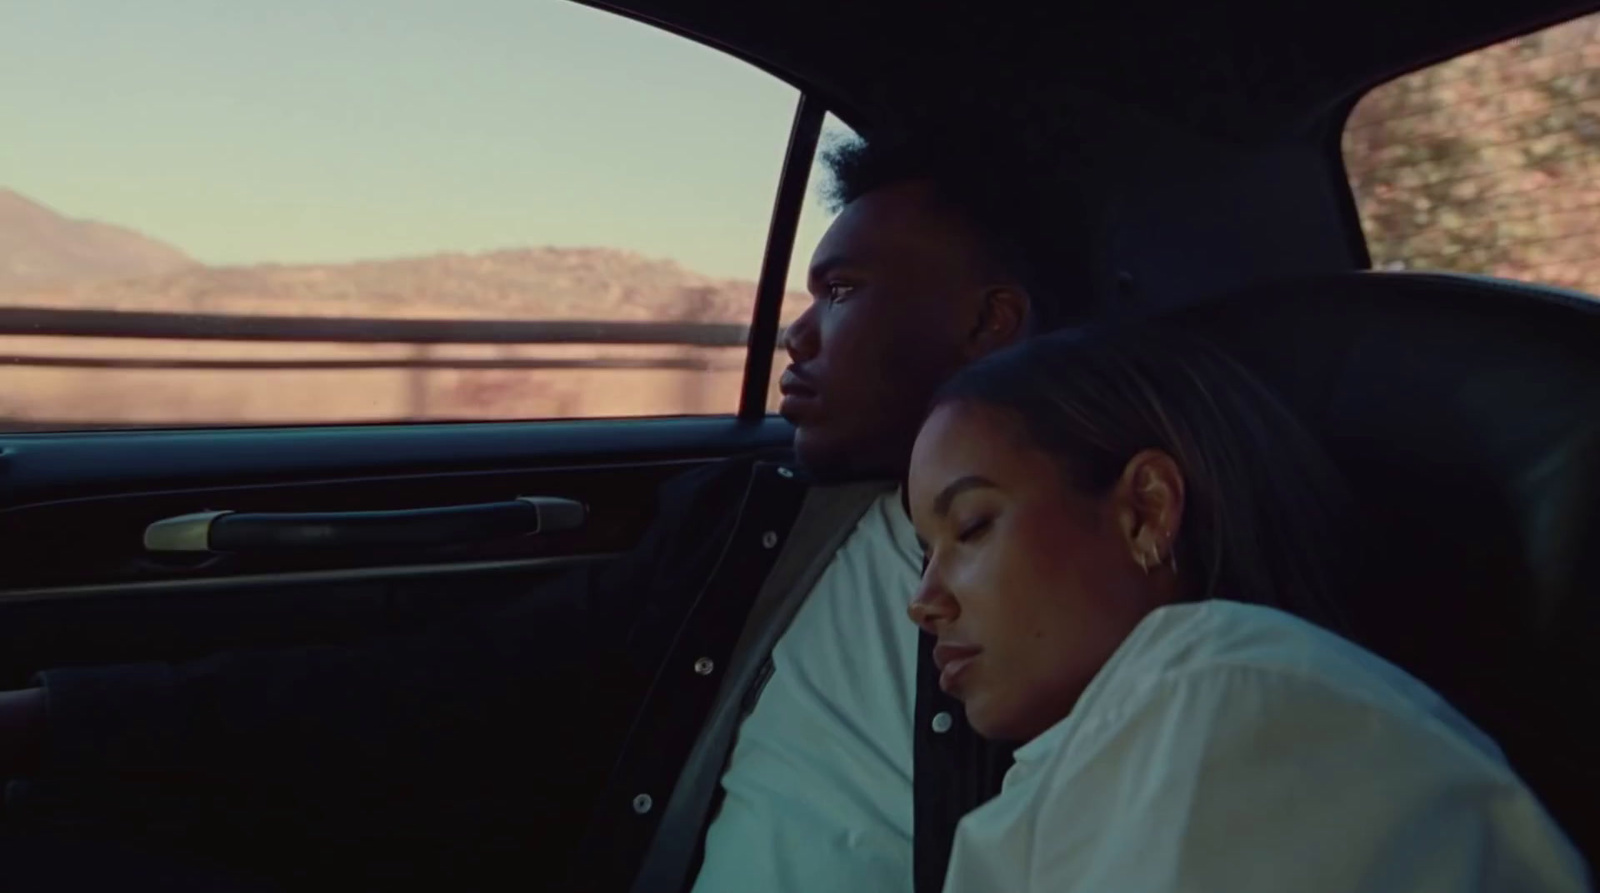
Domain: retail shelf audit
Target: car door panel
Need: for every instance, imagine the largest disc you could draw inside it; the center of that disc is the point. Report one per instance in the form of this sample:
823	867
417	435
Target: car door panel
79	586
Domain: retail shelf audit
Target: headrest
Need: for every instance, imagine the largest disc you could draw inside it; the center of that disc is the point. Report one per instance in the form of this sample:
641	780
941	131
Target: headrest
1465	414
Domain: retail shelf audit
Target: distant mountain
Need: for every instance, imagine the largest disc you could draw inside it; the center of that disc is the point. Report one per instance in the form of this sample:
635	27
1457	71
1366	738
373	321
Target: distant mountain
526	283
39	247
47	260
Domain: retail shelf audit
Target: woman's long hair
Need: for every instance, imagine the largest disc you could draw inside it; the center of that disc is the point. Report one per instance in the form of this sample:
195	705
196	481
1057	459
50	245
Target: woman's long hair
1264	510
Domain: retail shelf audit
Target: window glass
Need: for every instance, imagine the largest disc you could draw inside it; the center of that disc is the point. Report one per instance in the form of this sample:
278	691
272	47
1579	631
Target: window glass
328	211
815	218
1488	163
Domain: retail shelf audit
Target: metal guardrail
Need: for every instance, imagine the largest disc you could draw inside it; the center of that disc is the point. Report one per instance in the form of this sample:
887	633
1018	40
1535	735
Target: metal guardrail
222	327
687	364
682	348
420	333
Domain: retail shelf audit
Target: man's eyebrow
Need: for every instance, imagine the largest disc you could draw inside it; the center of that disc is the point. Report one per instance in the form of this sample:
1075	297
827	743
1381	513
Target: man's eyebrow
823	266
941	503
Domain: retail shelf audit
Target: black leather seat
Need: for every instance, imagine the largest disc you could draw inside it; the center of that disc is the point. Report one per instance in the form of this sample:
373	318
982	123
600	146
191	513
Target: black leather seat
1465	413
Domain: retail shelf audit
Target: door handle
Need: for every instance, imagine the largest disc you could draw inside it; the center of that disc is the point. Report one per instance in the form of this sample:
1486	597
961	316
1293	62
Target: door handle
413	528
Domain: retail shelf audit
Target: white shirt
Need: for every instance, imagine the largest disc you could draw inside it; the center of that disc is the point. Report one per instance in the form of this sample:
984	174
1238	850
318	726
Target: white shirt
819	792
1233	748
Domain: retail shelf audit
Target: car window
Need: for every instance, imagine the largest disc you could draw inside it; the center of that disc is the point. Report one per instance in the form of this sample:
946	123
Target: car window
815	217
332	211
1488	163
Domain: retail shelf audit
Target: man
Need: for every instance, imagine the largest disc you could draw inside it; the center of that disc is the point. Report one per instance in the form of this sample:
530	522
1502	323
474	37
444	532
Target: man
924	270
760	628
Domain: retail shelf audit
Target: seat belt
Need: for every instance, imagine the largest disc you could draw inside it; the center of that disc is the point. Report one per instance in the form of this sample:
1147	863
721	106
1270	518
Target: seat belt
827	517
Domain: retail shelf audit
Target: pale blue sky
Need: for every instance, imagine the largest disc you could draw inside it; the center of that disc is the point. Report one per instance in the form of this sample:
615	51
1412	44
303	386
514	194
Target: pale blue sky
329	130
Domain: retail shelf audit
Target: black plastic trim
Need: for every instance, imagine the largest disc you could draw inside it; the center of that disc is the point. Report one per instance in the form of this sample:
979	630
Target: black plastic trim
263	532
287	582
40	467
1349	207
771	286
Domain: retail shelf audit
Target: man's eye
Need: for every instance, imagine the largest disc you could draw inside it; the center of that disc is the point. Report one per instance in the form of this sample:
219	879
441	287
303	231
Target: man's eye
974	530
838	291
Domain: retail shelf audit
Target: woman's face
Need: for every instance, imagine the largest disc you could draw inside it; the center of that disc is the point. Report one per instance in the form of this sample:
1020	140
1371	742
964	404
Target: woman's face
1030	584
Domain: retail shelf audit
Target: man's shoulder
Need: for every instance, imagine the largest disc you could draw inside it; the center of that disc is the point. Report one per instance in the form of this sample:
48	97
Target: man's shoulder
767	464
708	480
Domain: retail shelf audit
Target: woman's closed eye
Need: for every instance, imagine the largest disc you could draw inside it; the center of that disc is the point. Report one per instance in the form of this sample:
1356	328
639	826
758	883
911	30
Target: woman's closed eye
973	530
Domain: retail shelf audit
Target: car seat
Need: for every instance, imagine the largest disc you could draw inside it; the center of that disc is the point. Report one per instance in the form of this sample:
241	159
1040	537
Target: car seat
1465	414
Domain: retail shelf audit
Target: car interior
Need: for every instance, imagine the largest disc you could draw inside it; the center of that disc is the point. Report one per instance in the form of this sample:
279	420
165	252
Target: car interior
1464	410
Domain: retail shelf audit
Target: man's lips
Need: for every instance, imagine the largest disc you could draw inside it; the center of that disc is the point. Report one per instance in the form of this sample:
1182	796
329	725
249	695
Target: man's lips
799	396
953	661
793	384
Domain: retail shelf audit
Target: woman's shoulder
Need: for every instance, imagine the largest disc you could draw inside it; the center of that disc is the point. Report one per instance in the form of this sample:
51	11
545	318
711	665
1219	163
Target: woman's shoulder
1249	724
1232	649
1200	637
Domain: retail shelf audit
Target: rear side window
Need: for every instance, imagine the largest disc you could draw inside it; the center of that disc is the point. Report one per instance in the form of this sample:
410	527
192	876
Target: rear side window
1488	163
361	211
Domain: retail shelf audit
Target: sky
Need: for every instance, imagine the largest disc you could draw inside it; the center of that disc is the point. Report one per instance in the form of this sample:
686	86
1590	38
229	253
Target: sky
251	131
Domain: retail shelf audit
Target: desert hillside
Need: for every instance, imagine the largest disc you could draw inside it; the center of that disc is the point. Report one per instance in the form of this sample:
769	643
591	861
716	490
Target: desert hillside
523	284
48	260
40	248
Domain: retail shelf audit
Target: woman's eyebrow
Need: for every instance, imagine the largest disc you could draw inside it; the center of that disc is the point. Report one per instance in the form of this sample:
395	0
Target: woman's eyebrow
941	503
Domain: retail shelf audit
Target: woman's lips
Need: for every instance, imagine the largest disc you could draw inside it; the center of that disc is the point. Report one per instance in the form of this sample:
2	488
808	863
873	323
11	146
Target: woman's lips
953	661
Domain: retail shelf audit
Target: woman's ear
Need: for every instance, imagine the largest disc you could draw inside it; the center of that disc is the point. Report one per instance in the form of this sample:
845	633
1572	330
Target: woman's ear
1150	497
1002	320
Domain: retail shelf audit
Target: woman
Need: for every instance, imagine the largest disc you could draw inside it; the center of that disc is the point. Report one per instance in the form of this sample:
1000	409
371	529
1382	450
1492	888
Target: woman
1121	529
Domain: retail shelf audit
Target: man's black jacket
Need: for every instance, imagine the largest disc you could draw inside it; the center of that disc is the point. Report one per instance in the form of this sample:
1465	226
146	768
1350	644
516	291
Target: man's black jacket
485	754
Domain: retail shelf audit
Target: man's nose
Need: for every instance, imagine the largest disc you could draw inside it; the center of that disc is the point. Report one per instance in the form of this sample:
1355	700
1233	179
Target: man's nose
932	606
800	338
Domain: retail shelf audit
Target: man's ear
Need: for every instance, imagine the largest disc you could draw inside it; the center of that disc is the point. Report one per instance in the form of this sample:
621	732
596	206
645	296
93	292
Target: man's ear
1150	500
1002	320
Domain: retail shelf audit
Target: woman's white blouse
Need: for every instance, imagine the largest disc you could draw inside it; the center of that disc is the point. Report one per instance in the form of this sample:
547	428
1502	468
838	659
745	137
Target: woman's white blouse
1234	748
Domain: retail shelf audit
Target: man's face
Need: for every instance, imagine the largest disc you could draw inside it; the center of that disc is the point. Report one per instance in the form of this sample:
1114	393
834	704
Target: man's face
898	305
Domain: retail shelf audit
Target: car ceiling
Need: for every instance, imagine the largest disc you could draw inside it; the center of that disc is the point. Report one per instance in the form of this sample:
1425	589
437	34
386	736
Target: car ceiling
1231	69
1201	138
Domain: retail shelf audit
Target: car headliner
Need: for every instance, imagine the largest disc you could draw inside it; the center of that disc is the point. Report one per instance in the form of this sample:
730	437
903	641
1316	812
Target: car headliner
1229	68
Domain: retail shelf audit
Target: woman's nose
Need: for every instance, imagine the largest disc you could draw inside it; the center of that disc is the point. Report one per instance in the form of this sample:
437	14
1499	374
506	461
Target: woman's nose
932	606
